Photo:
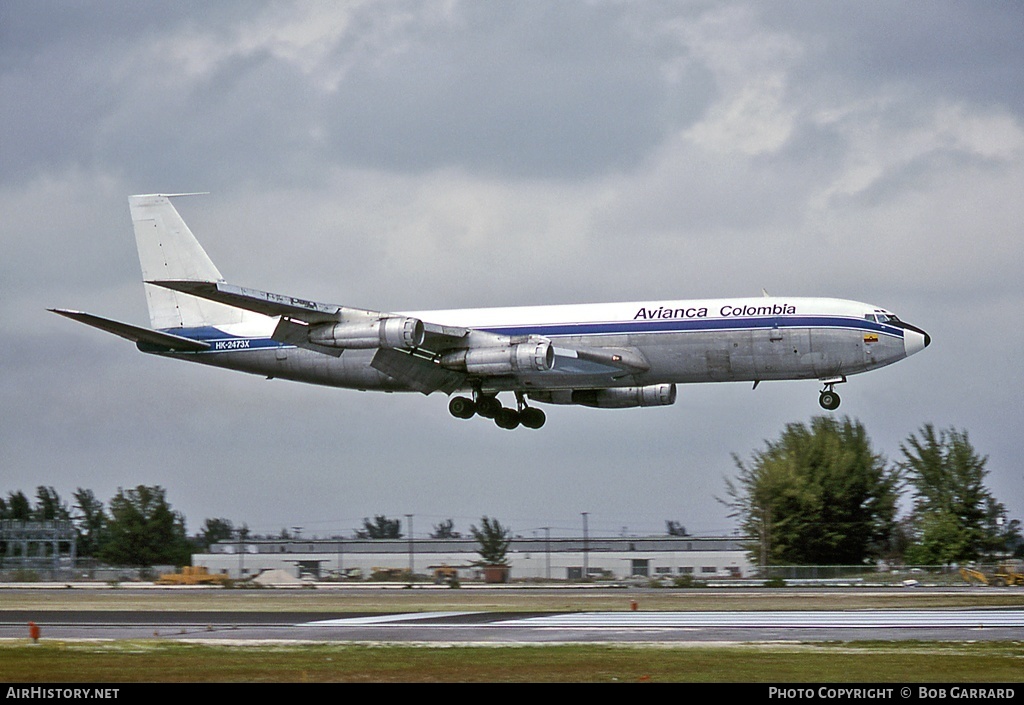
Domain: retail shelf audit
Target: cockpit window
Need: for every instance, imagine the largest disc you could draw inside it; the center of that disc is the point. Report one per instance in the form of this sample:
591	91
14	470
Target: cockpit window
883	317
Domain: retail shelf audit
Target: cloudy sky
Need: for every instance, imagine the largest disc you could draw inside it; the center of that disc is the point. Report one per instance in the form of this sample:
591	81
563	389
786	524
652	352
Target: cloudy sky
416	155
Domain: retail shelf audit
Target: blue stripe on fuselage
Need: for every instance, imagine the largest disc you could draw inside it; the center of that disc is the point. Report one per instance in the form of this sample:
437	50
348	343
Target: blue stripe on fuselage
223	342
677	325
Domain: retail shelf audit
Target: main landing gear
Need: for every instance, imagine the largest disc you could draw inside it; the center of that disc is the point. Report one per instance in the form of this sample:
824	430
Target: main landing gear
829	399
488	406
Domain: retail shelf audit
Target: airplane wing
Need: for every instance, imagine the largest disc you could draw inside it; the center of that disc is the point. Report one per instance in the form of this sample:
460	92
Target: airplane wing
297	312
417	367
140	336
254	300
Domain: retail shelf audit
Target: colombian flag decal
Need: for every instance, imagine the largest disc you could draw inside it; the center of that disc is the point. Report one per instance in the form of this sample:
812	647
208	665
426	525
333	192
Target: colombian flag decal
870	337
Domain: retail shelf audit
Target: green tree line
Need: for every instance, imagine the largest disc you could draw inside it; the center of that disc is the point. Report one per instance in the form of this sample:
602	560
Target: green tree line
137	527
820	494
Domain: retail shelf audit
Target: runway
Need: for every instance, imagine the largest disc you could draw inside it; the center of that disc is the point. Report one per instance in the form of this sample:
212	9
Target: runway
635	627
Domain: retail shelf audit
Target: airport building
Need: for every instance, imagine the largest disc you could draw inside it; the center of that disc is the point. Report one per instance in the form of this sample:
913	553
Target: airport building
528	559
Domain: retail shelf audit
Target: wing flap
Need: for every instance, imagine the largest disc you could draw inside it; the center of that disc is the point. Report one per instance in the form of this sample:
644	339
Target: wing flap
419	374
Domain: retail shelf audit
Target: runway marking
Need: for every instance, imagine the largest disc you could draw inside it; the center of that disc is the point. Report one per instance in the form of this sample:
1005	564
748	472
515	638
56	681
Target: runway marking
383	619
970	619
856	619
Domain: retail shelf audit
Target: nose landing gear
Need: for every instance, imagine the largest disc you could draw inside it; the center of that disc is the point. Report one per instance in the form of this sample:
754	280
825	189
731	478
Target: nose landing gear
829	399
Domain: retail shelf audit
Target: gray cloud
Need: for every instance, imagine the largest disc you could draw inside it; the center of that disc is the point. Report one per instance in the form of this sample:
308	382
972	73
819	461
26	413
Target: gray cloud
443	155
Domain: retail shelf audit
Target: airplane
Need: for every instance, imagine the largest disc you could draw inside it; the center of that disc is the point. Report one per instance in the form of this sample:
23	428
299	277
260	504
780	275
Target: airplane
609	356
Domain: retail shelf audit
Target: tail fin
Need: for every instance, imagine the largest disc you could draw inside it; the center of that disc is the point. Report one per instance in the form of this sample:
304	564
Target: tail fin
169	250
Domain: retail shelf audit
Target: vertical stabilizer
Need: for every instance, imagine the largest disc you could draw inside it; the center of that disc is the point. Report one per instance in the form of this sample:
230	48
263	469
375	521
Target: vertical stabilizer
169	250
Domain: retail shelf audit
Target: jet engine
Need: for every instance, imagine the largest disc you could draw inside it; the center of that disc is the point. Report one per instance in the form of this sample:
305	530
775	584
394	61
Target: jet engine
388	333
531	356
613	398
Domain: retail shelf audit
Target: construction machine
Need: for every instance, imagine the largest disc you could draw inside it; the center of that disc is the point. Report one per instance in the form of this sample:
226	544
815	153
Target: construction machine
1002	576
973	577
1006	575
193	575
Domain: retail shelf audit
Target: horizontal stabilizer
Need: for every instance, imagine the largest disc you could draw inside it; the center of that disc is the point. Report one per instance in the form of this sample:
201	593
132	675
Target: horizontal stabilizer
135	333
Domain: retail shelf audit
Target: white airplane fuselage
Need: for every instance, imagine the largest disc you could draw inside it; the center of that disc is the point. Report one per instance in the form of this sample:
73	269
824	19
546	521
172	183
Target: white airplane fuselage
684	342
614	355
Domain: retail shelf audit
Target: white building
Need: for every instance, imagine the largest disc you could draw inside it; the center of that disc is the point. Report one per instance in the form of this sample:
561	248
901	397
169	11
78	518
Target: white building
537	558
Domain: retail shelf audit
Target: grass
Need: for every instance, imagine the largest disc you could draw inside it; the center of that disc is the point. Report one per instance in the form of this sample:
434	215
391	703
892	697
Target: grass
158	661
141	661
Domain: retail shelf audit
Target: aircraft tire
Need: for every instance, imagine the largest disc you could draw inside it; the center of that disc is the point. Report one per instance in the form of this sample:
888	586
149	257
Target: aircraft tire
829	401
462	407
488	406
507	418
531	417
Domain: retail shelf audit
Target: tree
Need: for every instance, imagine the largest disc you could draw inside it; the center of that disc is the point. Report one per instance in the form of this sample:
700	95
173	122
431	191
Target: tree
817	495
214	530
143	530
674	528
955	518
494	540
18	507
90	522
49	506
445	530
380	528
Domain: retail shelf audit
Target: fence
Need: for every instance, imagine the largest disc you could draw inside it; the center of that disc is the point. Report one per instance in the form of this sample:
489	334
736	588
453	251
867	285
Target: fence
90	570
868	575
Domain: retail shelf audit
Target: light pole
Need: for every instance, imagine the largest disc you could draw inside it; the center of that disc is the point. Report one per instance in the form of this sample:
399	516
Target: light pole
411	573
586	558
341	552
241	554
547	552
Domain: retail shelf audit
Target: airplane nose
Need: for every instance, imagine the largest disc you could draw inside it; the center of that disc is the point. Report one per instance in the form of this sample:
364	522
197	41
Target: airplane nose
915	340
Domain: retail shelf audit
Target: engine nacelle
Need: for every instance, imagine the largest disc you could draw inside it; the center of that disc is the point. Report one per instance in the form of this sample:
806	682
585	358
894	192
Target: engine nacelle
613	398
532	356
389	333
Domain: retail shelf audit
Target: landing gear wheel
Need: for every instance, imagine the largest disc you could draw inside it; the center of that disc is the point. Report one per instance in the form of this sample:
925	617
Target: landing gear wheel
462	407
532	417
488	406
507	418
829	400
